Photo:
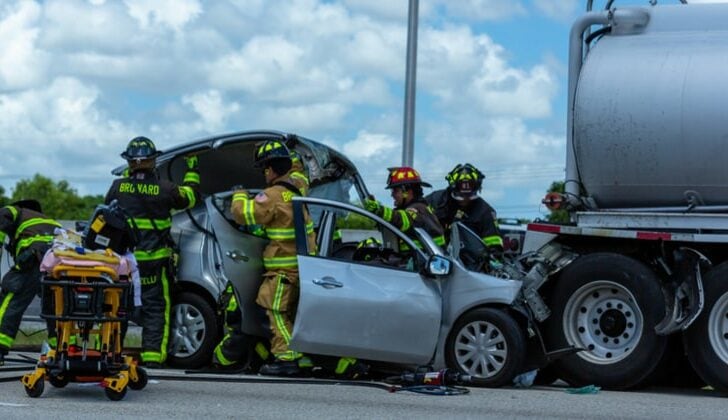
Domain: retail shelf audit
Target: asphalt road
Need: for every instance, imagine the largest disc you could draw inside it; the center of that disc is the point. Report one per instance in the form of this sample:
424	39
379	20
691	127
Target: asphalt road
168	399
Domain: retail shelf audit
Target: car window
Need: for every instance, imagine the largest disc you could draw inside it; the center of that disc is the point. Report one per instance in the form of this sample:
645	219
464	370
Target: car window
359	239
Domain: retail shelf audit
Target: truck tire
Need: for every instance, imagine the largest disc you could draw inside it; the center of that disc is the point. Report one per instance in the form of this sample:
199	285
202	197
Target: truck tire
706	341
193	331
487	344
607	304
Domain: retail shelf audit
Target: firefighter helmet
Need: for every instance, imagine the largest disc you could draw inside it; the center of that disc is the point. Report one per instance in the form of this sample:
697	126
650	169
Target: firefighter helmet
465	181
140	148
367	250
269	150
404	175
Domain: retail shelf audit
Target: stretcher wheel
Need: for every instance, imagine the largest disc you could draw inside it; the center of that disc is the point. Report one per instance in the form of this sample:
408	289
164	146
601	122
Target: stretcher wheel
115	395
58	381
141	382
37	390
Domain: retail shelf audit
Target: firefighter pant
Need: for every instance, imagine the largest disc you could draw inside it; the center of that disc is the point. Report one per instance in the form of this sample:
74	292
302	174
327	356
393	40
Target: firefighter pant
278	294
154	316
16	293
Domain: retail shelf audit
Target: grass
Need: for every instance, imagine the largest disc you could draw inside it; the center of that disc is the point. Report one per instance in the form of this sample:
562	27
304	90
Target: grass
32	335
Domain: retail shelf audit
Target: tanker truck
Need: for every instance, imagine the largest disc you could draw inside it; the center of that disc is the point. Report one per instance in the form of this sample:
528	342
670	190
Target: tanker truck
641	270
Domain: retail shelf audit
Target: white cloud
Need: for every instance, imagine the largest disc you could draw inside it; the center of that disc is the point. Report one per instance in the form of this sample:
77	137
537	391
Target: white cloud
368	145
211	108
484	9
172	13
21	63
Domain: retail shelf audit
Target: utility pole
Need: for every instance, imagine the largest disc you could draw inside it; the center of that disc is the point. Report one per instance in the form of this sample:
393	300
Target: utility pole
408	140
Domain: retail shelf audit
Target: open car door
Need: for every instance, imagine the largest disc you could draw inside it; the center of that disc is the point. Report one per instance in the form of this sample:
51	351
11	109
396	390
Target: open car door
379	309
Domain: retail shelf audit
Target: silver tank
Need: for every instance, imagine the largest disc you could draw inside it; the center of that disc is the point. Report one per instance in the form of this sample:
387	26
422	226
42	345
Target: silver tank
650	114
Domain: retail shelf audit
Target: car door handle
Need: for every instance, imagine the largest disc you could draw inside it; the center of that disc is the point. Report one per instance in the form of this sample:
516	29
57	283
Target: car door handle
236	255
327	282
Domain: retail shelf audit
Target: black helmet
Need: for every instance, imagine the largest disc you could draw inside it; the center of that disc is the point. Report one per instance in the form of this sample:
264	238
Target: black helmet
269	150
140	148
465	181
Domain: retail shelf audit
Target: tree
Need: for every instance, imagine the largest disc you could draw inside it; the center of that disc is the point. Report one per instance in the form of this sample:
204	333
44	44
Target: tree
3	200
58	200
558	216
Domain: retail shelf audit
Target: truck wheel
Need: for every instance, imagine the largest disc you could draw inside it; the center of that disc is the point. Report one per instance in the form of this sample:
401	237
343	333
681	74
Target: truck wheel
706	341
193	331
488	345
608	305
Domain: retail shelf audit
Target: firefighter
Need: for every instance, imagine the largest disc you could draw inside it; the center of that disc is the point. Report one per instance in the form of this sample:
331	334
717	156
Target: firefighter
459	202
149	201
30	234
410	208
272	208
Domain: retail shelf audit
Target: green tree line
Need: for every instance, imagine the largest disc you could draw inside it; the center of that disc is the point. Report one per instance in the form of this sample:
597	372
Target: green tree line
58	199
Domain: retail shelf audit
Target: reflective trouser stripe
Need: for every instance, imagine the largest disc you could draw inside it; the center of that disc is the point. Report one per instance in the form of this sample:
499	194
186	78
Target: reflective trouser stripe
262	352
221	359
151	356
343	365
280	322
167	308
5	340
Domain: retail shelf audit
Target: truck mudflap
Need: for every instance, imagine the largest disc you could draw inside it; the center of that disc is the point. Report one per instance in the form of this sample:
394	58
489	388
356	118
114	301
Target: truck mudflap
684	299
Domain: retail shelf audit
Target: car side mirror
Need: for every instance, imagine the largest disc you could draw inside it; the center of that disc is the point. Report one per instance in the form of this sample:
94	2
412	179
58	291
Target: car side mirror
438	265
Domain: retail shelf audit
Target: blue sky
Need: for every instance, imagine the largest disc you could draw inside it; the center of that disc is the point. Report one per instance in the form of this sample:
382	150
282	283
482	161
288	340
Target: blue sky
79	78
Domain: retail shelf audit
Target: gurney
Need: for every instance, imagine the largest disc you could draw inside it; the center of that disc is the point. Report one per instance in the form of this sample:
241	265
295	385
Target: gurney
90	293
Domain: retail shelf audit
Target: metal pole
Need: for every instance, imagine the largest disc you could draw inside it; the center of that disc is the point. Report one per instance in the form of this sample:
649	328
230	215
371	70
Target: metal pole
408	141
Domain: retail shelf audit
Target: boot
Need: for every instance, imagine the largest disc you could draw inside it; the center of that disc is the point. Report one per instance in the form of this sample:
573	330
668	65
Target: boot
281	368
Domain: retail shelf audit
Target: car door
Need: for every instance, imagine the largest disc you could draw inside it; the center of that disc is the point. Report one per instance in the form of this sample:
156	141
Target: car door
365	310
241	256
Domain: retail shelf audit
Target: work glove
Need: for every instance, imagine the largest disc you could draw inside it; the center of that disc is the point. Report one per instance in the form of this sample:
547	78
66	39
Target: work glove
372	205
192	162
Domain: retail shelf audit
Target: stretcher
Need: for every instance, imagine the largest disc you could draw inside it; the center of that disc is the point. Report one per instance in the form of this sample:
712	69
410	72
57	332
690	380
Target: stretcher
90	293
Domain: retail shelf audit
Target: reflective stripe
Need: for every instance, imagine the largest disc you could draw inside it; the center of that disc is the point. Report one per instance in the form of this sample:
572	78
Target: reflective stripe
337	234
280	262
12	210
191	178
492	240
276	310
34	221
6	340
309	228
167	308
405	220
153	255
150	223
151	356
387	214
289	356
221	359
29	241
249	212
439	240
343	365
188	192
281	233
240	197
262	352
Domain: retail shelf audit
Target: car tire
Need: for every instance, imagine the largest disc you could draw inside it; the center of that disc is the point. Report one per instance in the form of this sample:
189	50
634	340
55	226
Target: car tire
607	304
193	331
487	344
706	340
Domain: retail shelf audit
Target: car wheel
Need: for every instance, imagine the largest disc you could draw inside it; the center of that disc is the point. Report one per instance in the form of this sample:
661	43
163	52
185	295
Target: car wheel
488	345
608	305
706	341
193	331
